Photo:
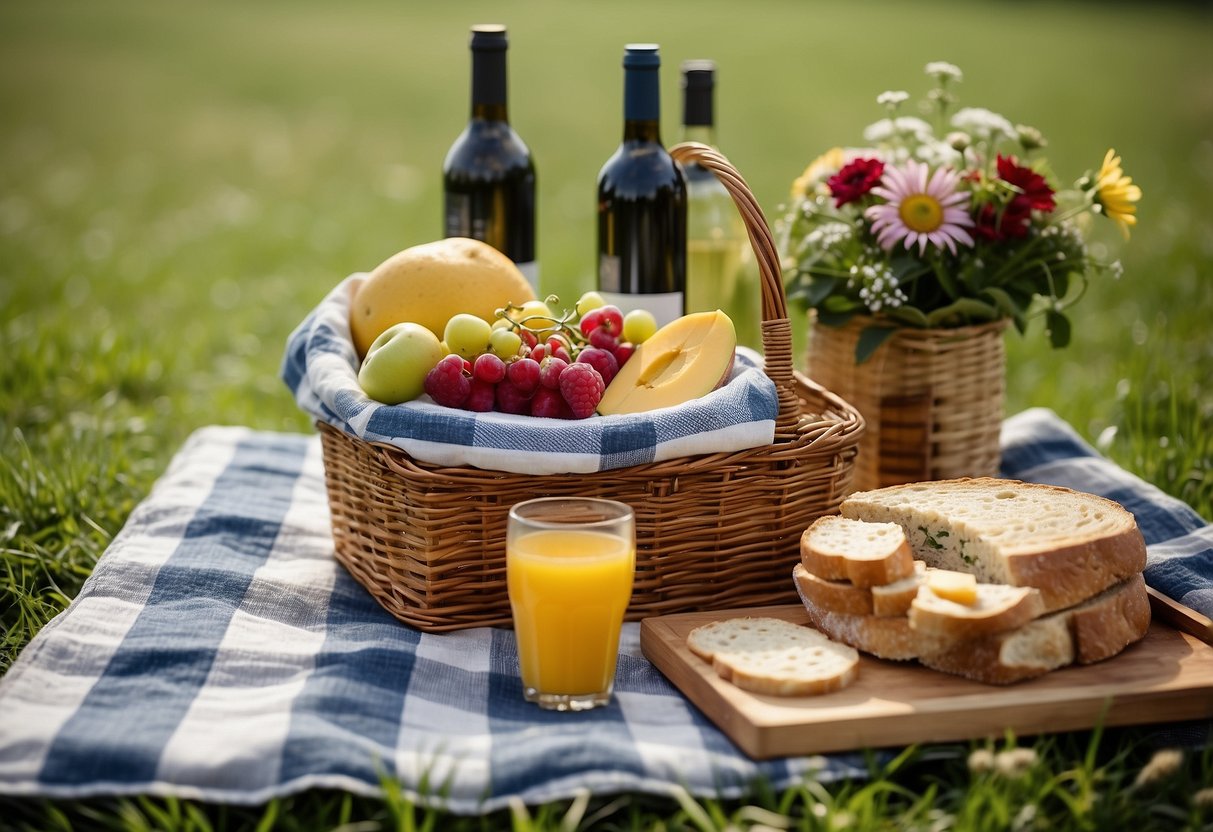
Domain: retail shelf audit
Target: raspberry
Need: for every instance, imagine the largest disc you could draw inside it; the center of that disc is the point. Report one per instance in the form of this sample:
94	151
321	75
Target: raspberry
488	367
446	383
481	397
601	360
549	371
511	399
581	386
623	352
524	374
550	404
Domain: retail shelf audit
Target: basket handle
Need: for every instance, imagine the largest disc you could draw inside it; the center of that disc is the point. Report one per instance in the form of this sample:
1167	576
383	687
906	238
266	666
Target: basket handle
776	328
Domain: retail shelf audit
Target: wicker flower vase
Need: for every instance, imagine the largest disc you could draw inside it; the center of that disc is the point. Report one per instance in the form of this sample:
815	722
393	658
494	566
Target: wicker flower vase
932	399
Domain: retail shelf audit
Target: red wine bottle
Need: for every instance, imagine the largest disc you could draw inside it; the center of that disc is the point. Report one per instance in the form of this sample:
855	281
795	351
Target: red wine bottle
642	203
489	175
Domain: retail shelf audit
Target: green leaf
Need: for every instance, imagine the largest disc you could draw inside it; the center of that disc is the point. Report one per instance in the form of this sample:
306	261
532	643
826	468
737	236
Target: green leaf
819	289
834	319
948	281
1059	328
965	308
870	340
908	315
1007	305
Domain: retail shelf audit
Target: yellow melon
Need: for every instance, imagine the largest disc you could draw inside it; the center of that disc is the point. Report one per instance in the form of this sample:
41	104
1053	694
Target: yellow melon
428	284
687	358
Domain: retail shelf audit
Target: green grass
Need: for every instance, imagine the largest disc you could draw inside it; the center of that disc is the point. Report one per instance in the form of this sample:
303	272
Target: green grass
179	184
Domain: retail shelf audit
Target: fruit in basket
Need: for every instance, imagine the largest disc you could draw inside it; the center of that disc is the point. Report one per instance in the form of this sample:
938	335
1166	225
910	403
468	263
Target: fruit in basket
398	361
581	387
448	383
428	284
467	335
685	359
639	325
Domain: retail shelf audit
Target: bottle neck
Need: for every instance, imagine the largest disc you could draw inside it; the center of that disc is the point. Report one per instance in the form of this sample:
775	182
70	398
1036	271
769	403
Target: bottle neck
488	85
641	104
702	133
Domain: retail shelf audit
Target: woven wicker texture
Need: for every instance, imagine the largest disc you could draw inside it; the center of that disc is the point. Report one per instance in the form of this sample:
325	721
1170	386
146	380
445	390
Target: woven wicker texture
713	531
932	399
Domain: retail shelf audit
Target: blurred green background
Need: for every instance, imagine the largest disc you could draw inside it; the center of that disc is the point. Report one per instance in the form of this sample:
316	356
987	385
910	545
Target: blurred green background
181	183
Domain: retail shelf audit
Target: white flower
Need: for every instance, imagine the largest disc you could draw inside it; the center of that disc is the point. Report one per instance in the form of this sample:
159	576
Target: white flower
892	98
983	123
943	69
1014	762
939	154
1162	765
887	128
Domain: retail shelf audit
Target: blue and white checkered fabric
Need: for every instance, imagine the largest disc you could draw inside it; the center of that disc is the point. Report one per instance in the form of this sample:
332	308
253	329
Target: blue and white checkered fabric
321	369
219	652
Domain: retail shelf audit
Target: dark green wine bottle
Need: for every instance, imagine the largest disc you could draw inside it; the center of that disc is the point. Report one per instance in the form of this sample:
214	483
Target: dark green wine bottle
489	175
642	203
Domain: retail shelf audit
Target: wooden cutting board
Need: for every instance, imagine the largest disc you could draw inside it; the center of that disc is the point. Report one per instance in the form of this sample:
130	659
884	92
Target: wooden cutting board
1165	677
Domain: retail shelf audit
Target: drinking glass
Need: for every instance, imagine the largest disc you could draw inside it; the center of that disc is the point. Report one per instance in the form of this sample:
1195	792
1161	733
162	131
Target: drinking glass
569	566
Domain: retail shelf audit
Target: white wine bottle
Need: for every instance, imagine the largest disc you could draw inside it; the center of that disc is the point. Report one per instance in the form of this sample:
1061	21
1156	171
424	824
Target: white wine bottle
717	273
642	203
489	176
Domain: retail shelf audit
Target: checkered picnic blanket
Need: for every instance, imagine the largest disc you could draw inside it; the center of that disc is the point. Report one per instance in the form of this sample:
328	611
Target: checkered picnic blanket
321	369
219	652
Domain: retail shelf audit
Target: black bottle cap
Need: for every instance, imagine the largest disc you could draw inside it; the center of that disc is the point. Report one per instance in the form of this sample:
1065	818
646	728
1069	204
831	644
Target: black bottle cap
698	83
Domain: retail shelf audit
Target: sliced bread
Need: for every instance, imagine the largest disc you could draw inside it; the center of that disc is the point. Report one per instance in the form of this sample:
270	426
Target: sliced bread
997	607
866	554
888	637
1089	632
773	656
1068	544
845	597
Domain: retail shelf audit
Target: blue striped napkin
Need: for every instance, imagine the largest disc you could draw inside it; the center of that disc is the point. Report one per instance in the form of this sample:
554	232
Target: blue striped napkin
321	369
219	652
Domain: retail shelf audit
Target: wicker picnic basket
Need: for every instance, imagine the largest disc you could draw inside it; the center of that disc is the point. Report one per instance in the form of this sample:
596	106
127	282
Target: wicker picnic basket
713	531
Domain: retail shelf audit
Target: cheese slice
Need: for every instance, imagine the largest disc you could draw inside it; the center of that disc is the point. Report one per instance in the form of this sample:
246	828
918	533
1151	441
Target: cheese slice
953	586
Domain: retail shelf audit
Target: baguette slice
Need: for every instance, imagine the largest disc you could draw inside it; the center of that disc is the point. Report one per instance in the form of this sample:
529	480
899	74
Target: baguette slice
998	607
1093	631
1068	544
866	554
775	657
888	637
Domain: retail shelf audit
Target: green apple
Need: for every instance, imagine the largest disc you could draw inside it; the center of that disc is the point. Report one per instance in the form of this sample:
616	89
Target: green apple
397	362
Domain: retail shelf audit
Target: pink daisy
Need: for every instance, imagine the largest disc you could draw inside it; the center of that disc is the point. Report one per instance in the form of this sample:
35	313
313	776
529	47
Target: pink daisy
920	211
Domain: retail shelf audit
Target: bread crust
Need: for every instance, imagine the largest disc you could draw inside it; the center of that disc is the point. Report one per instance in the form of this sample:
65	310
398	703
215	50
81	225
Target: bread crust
836	596
1065	574
1092	631
886	637
835	565
941	624
1069	575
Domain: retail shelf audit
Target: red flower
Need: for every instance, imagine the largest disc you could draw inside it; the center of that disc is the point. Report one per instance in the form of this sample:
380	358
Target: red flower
1032	186
854	180
1011	223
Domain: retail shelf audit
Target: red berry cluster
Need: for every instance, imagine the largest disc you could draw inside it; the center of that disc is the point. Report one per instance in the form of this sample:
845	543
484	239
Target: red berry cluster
560	371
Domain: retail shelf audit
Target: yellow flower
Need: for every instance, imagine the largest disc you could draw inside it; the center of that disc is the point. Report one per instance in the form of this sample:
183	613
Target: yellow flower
1117	193
820	169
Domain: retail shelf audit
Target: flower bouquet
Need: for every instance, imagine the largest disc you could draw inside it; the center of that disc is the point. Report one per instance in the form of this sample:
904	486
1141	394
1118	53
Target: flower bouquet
945	221
914	254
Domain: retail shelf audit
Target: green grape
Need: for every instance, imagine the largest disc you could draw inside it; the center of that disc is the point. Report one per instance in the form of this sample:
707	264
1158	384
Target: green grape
588	301
467	335
505	343
638	326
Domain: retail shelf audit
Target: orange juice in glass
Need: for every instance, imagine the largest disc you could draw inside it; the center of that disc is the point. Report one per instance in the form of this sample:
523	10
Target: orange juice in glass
569	565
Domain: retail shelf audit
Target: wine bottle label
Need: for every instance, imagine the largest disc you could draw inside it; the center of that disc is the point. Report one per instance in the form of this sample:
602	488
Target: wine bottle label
665	306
